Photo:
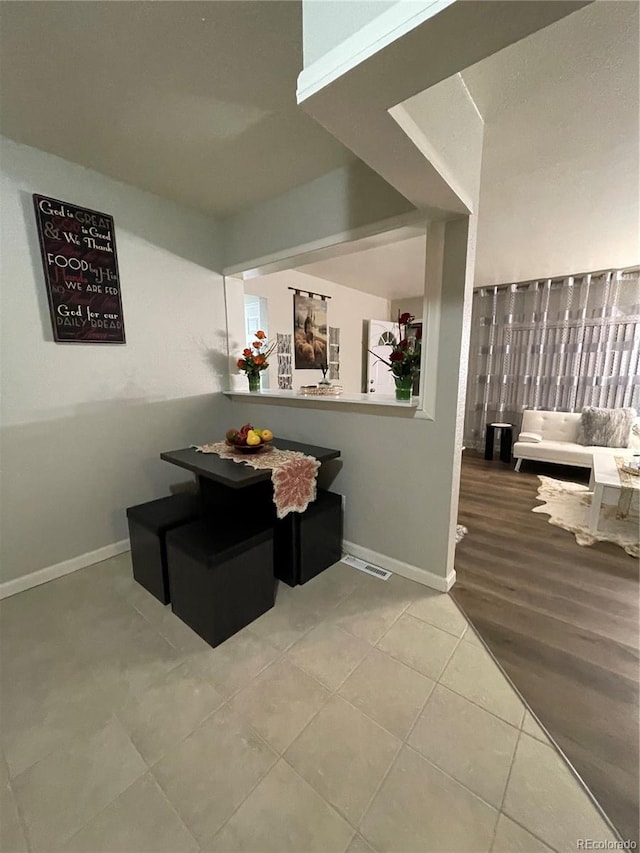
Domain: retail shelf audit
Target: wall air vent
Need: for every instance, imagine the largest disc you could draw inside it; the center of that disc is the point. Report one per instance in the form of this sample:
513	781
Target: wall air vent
362	566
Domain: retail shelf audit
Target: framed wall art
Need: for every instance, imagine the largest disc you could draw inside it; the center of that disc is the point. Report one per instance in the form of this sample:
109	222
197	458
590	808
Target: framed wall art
310	332
78	248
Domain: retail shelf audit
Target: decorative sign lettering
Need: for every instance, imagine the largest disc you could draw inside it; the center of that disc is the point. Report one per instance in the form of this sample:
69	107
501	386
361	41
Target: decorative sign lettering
78	248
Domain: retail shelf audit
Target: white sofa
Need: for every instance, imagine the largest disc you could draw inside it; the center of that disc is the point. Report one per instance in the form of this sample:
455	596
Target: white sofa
559	431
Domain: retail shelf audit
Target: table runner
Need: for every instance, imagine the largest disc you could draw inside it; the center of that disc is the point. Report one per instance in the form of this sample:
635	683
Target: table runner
293	474
628	484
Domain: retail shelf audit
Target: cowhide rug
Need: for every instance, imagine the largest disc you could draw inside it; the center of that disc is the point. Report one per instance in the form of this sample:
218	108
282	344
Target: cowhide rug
568	505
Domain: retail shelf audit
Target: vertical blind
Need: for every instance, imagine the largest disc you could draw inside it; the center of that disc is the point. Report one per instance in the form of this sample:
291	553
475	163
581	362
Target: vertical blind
556	344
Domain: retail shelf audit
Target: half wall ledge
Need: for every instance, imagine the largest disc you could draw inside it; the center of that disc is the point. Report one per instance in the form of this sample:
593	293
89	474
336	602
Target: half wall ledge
295	398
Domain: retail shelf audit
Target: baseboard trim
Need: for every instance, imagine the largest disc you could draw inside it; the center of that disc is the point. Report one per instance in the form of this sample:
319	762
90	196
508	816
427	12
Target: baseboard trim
406	570
50	573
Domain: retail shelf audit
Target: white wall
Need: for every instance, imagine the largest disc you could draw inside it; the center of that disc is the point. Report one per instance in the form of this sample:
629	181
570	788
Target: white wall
388	265
559	189
326	23
399	472
414	305
347	309
82	425
445	125
341	201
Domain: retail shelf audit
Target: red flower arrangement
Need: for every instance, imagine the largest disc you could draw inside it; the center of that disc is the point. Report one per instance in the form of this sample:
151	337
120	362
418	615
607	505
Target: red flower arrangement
255	358
404	360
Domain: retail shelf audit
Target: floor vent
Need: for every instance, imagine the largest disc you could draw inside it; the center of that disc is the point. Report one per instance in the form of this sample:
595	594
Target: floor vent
362	566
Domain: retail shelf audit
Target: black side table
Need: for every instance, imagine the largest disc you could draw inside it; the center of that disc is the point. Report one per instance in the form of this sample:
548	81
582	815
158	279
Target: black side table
506	439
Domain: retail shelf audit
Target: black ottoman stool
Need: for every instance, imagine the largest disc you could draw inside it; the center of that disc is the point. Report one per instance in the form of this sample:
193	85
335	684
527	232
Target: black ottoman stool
307	543
148	526
221	579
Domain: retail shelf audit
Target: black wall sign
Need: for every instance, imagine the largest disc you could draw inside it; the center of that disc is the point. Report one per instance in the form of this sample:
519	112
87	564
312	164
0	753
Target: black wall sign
78	249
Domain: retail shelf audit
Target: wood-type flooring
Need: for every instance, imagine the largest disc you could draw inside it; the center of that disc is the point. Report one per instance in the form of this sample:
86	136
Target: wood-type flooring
561	619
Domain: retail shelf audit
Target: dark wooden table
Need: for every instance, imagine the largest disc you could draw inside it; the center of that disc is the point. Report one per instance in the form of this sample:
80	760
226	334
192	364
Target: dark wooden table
233	475
229	490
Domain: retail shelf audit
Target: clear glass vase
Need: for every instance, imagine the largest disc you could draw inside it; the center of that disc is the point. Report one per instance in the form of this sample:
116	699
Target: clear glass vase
254	381
404	387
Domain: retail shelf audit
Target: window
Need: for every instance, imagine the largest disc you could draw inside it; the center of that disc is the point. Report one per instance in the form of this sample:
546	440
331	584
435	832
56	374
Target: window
256	317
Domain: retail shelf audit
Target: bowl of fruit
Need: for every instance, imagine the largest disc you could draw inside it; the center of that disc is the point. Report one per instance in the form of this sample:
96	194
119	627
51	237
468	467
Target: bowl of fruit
249	439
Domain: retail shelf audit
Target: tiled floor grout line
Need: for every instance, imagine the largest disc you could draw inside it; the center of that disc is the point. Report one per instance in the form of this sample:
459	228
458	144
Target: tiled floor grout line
506	788
377	790
226	702
453	778
150	766
417	752
530	832
332	693
549	740
432	763
415	722
209	840
333	807
326	617
426	701
11	778
174	809
347	631
477	705
111	802
278	754
432	624
455	637
23	822
222	705
506	785
358	835
323	619
473	702
403	741
281	654
448	660
66	839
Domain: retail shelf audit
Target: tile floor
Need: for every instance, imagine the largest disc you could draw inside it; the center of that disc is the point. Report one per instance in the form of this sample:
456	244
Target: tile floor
357	715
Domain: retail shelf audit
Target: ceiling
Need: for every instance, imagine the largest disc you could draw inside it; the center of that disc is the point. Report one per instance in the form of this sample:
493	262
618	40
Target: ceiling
561	102
391	266
559	189
193	101
567	89
567	70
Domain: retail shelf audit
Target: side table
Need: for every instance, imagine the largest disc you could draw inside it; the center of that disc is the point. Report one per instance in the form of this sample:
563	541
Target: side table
506	439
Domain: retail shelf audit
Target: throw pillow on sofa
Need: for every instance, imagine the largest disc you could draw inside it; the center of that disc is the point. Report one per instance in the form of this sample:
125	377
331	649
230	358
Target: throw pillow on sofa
605	427
530	437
